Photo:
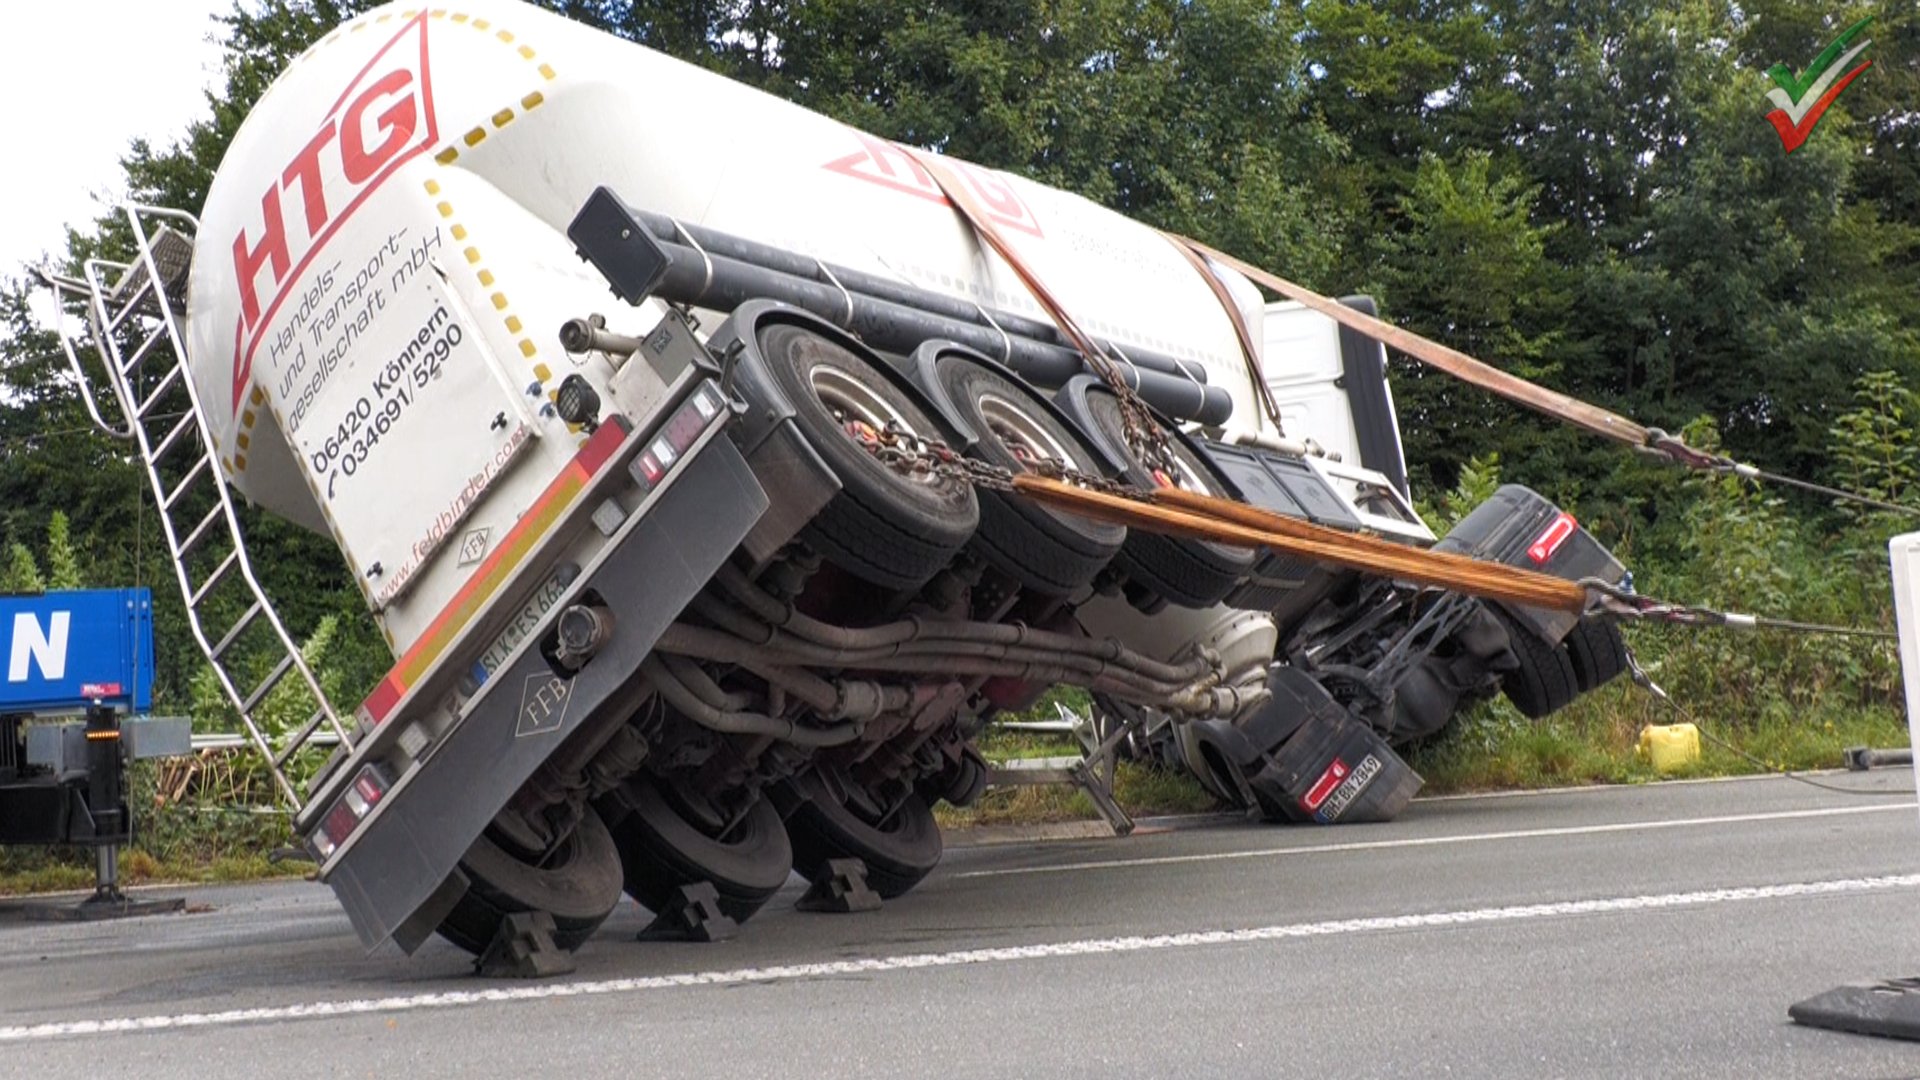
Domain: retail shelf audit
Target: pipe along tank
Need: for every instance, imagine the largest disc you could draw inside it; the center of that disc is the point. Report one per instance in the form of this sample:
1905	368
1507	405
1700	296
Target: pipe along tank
664	619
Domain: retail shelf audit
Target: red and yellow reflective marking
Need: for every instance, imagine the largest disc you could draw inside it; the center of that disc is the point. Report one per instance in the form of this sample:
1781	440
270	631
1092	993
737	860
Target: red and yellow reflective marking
539	519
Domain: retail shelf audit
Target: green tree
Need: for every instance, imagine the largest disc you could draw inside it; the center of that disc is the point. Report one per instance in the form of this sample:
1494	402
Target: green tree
23	572
1468	267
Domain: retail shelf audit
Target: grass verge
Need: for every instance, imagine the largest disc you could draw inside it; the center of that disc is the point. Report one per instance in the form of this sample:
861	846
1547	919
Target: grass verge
49	870
1594	741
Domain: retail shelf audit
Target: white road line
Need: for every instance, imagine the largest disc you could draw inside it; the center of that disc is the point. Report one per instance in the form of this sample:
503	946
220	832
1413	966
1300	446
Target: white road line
1894	780
1435	841
920	961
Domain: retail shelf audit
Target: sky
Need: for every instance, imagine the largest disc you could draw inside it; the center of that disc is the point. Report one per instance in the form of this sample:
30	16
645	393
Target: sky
86	77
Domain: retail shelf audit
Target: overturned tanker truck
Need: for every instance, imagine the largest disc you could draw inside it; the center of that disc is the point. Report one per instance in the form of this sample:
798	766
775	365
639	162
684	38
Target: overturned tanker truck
697	582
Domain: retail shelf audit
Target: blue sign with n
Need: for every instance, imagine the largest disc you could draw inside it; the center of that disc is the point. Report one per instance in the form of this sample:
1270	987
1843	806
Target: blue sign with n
64	651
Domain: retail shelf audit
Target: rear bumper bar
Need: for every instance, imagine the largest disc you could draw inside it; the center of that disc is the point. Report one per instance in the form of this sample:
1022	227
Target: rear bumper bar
401	858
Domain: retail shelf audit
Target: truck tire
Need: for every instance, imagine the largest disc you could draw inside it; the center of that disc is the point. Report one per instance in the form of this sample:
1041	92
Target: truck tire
578	884
1598	652
882	527
1544	683
1046	550
1191	573
660	850
899	852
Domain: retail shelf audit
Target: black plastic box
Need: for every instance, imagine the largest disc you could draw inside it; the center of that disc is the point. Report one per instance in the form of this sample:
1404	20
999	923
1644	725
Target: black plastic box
1519	527
1285	585
1335	770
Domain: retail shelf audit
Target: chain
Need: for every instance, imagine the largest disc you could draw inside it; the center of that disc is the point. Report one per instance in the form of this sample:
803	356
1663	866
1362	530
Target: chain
920	458
1144	436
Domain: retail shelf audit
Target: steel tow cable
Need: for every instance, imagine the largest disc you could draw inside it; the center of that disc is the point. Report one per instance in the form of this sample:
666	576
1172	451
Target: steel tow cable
1654	690
1620	602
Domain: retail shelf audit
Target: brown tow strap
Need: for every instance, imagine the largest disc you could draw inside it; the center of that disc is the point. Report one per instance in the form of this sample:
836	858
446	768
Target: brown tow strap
1452	361
1249	348
1202	517
1142	435
981	223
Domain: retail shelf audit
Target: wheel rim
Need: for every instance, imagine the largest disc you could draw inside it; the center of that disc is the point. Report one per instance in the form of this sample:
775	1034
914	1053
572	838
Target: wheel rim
852	400
1023	435
864	415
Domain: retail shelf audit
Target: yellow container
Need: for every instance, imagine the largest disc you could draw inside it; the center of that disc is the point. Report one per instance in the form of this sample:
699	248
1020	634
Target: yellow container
1670	747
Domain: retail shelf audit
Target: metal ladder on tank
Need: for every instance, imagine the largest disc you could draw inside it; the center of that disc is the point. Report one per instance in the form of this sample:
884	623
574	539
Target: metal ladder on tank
134	329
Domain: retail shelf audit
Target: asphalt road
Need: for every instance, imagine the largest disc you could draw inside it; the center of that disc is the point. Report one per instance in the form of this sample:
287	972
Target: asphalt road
1621	932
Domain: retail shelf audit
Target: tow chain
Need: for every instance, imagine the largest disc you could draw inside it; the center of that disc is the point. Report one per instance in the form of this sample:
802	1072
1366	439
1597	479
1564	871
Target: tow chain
918	457
1143	436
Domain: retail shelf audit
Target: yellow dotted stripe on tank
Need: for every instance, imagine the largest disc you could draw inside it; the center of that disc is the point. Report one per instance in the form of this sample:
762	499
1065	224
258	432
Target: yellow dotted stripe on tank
243	442
470	252
476	262
477	134
258	400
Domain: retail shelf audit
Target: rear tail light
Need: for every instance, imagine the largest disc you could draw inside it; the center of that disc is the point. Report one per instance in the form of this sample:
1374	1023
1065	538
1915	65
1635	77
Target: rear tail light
677	436
350	809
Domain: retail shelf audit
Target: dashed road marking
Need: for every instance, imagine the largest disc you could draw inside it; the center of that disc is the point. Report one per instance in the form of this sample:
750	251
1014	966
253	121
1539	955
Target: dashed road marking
1436	841
922	961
